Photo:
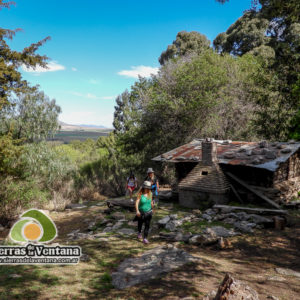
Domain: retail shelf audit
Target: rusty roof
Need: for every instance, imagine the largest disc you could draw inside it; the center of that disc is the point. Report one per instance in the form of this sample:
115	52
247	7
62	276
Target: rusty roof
255	154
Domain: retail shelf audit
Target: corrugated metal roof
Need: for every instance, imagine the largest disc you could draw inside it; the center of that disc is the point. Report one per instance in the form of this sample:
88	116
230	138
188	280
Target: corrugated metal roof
255	154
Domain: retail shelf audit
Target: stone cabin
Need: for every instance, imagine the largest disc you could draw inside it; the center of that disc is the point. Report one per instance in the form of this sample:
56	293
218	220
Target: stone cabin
203	169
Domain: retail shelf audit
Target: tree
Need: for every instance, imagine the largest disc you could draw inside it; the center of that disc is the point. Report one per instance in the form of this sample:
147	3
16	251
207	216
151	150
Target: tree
272	32
10	78
32	116
185	43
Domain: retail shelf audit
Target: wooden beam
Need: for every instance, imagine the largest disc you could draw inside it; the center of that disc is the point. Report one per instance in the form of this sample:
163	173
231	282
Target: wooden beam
251	189
261	211
236	193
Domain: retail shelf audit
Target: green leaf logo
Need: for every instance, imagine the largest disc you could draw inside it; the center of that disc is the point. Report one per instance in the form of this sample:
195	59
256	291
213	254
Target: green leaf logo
33	225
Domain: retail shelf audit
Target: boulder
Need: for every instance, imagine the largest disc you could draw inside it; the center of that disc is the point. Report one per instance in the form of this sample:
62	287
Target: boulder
202	239
171	226
219	231
162	222
149	265
244	226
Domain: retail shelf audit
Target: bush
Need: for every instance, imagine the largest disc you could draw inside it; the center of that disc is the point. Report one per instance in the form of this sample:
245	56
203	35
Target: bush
17	195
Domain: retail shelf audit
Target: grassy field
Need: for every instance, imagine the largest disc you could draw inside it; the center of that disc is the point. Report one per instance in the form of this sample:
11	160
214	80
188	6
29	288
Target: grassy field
251	258
67	136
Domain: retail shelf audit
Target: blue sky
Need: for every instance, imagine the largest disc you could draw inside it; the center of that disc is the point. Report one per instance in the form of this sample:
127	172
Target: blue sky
98	47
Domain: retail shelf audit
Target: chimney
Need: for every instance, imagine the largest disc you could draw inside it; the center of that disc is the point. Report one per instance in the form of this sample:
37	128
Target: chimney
209	152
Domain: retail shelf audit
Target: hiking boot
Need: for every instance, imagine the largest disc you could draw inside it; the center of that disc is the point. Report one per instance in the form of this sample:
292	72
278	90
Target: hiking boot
145	241
140	236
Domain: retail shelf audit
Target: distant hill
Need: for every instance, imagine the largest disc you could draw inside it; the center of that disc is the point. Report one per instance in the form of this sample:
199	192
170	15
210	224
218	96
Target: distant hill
81	127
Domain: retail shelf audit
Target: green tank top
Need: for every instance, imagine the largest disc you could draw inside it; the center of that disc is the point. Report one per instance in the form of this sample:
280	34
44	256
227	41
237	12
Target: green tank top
145	204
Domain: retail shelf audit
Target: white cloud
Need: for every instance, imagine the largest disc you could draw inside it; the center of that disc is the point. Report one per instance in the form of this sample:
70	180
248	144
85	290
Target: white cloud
73	69
137	71
52	66
92	96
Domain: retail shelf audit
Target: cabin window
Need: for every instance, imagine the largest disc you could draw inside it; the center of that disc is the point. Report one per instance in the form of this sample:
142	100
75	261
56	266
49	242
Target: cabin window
204	173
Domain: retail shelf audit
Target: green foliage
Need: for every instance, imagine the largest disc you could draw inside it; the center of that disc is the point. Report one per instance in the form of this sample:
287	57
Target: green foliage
20	194
48	165
9	155
272	32
32	116
196	96
108	173
186	43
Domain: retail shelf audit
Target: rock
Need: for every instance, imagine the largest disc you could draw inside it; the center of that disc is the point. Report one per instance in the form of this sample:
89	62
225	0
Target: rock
197	212
149	265
103	240
180	237
259	219
14	276
91	225
206	217
232	289
287	272
229	155
171	226
104	222
203	240
244	226
173	217
276	278
107	229
117	225
75	205
229	221
162	222
272	297
118	216
263	144
169	236
219	231
270	154
84	258
210	296
257	151
249	152
2	228
286	150
210	212
126	231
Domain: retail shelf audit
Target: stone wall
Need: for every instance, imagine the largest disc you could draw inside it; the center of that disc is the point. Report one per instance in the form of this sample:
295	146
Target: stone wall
196	199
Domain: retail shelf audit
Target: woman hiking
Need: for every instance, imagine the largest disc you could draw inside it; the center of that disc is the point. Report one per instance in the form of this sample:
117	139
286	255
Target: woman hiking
131	184
154	184
144	205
